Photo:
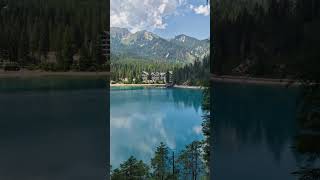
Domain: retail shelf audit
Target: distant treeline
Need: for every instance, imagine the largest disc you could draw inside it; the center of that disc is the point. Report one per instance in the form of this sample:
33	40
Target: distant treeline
266	38
54	34
132	68
196	73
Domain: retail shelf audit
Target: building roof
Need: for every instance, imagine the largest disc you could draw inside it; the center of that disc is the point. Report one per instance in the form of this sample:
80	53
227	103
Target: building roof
144	72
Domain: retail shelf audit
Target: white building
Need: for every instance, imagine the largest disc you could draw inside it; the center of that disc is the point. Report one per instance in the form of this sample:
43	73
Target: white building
155	77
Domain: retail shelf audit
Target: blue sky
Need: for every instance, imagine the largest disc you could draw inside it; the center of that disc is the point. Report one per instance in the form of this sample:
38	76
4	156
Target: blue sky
166	18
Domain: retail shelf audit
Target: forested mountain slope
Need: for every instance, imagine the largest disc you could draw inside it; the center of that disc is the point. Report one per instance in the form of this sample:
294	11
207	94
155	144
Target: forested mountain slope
266	38
61	34
147	45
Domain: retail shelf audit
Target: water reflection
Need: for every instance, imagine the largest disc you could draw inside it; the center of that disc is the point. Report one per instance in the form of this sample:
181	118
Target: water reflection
307	142
52	83
189	98
53	133
308	146
142	118
255	127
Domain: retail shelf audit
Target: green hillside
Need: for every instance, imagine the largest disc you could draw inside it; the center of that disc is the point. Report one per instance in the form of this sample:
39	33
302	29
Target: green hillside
277	39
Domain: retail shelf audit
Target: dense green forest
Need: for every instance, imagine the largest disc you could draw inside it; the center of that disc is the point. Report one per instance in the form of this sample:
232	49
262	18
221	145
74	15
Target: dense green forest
207	123
196	73
132	68
54	34
277	39
274	39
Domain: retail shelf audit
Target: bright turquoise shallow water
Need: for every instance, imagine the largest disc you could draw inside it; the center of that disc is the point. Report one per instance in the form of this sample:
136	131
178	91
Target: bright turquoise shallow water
141	118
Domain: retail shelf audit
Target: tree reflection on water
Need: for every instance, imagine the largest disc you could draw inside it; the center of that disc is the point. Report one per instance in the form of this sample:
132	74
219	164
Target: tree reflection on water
308	141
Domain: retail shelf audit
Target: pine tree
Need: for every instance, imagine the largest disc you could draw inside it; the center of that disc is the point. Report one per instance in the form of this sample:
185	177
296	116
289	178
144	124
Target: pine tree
67	51
34	39
190	161
23	51
44	39
132	169
160	162
85	60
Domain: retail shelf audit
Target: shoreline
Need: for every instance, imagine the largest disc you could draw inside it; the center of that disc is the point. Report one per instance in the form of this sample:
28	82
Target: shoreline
27	73
154	85
188	87
137	85
213	78
254	80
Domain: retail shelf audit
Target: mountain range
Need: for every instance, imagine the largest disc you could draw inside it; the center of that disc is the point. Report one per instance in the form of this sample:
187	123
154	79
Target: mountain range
147	45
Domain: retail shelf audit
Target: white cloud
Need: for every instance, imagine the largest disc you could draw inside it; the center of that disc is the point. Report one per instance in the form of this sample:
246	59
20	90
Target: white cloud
139	15
197	129
202	9
121	123
137	133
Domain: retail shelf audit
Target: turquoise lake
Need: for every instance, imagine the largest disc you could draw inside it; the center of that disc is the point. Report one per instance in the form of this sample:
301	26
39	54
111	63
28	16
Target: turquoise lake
53	128
141	118
255	130
56	128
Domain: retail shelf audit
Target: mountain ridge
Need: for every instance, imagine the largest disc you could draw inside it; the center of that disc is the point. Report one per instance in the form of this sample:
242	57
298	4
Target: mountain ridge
148	45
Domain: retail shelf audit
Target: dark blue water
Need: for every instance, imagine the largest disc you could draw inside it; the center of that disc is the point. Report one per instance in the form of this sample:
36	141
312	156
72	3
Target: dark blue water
141	118
254	132
53	128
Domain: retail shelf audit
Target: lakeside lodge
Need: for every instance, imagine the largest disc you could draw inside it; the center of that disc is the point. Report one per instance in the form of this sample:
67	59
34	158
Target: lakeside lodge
153	77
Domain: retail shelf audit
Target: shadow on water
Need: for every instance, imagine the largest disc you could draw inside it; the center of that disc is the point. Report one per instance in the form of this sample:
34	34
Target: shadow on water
190	98
307	142
51	83
254	131
53	129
